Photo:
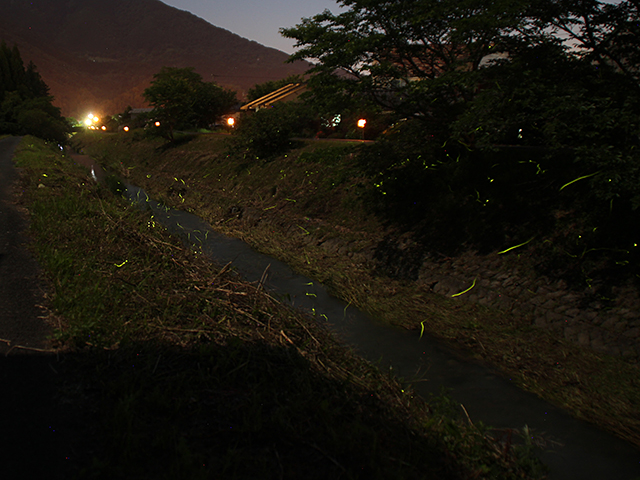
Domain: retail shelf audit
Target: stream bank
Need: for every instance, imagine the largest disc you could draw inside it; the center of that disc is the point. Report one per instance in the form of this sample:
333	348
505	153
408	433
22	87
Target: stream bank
307	209
186	371
504	282
586	452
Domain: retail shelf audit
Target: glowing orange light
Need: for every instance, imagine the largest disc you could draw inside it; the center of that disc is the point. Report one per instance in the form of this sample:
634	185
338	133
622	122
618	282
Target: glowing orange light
362	122
126	129
157	124
103	128
231	121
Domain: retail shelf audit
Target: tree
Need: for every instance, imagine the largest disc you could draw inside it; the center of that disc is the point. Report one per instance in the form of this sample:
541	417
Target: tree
268	132
417	58
33	82
182	100
428	59
25	104
522	109
606	34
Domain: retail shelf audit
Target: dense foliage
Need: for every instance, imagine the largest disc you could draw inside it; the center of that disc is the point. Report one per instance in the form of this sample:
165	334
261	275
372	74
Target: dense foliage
428	59
182	100
269	131
25	104
522	120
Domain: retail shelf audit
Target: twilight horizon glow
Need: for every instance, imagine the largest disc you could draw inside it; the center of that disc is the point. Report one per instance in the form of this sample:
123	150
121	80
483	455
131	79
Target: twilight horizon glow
258	21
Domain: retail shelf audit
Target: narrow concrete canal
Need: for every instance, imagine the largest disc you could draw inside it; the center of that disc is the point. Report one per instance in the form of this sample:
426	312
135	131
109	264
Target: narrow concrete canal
584	451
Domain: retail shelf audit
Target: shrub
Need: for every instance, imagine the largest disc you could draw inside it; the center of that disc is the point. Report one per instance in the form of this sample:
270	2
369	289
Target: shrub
268	132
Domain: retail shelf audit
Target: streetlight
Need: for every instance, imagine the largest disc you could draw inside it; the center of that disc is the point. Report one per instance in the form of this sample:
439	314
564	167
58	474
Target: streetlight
91	120
231	122
361	124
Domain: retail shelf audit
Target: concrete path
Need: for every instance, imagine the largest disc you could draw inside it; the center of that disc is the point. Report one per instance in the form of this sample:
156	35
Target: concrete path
20	288
36	433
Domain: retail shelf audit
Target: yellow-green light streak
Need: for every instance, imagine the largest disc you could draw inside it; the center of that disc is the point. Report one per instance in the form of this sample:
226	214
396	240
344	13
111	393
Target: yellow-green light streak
579	178
465	291
515	246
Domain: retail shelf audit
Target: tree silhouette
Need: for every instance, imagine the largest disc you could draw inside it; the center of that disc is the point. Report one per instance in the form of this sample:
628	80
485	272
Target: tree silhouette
182	100
25	104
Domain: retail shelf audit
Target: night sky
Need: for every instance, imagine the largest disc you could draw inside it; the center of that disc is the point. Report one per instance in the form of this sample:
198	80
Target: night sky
259	21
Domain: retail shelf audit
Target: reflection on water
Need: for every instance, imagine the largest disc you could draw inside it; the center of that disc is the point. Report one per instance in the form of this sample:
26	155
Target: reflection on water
96	171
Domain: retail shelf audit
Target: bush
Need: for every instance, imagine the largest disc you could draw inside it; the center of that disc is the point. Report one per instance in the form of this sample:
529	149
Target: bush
268	132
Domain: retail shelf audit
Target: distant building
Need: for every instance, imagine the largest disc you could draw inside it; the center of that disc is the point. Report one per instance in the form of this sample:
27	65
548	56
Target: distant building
134	112
287	93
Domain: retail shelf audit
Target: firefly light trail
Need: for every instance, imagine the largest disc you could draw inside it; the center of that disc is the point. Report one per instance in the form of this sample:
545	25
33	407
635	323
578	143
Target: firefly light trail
465	291
515	246
579	178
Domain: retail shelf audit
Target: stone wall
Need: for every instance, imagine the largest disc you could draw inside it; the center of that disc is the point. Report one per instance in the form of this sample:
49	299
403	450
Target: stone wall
507	282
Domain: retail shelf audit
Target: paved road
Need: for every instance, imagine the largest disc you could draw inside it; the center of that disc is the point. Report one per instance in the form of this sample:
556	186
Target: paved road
20	288
36	436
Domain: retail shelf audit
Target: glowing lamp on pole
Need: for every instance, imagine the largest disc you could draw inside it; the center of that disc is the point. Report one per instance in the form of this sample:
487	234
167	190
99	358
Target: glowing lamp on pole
361	124
91	120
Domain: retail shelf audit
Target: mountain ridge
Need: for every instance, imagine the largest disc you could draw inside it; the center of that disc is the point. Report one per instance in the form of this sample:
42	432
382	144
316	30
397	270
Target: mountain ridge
100	55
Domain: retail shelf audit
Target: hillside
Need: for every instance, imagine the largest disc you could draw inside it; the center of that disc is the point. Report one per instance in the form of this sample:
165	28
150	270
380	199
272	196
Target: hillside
100	55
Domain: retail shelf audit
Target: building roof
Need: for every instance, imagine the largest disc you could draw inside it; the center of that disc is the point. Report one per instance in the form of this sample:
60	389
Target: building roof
138	111
284	94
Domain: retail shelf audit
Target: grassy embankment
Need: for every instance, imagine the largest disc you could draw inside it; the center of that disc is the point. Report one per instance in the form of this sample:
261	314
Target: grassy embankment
184	371
313	217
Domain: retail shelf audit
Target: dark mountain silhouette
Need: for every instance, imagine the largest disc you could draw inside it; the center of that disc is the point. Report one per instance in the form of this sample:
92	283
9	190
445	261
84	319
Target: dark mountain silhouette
100	55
